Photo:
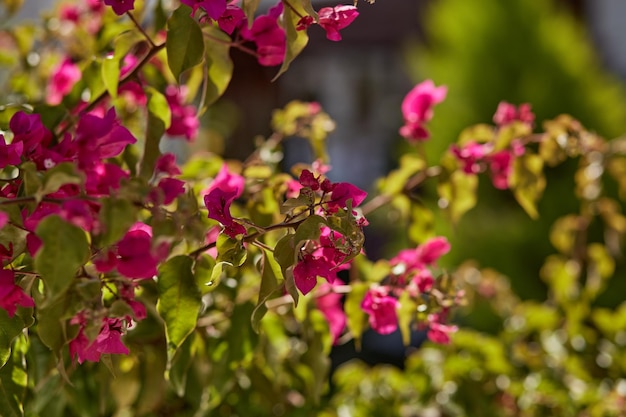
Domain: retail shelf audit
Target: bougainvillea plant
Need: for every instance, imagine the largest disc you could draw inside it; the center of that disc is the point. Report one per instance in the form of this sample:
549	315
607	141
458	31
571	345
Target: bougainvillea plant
199	282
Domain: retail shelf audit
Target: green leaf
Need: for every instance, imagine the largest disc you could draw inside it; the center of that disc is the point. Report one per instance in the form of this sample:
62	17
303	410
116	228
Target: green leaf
309	229
218	63
308	7
13	381
564	231
284	251
561	275
356	317
179	300
231	250
458	194
117	215
600	268
51	324
271	274
181	362
249	8
58	176
406	315
528	182
151	152
158	106
204	271
296	39
184	44
10	328
65	249
111	74
32	179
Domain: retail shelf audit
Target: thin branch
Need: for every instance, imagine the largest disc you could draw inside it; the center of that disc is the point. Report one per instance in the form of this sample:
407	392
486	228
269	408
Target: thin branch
141	29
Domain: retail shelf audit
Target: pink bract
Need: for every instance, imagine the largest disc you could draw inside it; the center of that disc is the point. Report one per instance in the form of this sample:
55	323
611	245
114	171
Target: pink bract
269	37
224	189
231	19
108	340
507	113
135	257
382	310
333	19
12	295
213	8
184	116
63	79
417	109
120	6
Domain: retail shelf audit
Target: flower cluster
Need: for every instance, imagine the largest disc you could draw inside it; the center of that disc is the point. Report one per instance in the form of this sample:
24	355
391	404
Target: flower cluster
225	188
411	273
88	172
476	157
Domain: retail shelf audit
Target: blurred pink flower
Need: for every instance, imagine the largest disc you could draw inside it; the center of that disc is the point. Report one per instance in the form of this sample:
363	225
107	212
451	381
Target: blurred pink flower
62	81
12	295
333	19
417	109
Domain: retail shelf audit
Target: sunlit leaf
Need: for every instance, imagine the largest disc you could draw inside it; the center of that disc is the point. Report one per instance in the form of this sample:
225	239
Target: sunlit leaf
457	194
296	39
219	64
271	278
528	182
179	300
356	317
65	249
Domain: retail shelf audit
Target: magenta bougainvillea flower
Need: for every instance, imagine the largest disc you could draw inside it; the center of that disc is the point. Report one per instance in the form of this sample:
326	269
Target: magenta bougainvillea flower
109	340
501	164
225	188
321	259
167	164
342	192
4	219
213	8
269	37
507	113
28	129
330	305
167	190
308	269
333	19
135	256
477	157
120	6
417	109
99	138
10	154
12	295
231	19
184	116
424	255
62	81
382	310
438	332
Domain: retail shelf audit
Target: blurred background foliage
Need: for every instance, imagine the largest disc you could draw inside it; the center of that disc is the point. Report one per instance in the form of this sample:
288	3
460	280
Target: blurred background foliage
519	51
